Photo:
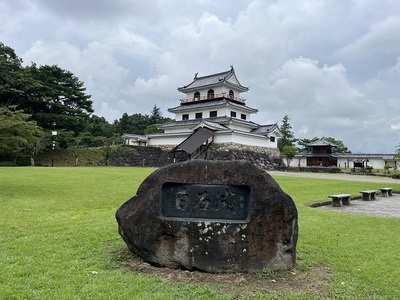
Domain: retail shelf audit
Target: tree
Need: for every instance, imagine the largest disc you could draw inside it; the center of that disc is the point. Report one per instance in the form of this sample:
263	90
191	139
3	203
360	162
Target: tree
48	93
16	132
340	147
39	145
287	138
108	150
152	129
396	156
289	152
96	133
156	115
98	126
11	89
56	95
302	144
140	124
397	153
135	123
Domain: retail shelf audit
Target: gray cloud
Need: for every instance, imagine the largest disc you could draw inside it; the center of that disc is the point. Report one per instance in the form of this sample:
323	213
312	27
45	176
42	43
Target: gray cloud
332	66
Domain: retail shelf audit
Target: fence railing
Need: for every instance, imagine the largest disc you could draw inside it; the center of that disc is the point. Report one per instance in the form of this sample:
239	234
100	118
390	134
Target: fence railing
213	96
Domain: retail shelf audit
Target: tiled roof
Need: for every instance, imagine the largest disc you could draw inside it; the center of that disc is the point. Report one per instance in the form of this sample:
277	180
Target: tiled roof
365	156
222	123
137	137
227	76
351	156
215	103
179	123
215	122
211	122
321	142
212	125
265	129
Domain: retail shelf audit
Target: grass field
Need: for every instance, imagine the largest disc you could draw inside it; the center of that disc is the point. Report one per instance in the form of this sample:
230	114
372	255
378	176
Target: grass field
59	240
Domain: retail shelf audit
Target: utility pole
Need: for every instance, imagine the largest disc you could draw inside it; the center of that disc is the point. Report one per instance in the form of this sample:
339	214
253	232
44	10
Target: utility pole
53	135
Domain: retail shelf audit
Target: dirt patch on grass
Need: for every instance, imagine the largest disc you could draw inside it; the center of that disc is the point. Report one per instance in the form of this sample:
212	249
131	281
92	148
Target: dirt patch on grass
312	280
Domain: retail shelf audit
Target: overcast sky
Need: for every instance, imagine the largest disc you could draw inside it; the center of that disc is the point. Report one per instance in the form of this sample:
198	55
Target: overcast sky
332	66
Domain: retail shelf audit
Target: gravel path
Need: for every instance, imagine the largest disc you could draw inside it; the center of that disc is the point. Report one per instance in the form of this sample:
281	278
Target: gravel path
339	176
382	206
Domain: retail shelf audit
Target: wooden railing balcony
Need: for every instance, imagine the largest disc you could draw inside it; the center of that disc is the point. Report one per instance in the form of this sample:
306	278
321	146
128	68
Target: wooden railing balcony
214	97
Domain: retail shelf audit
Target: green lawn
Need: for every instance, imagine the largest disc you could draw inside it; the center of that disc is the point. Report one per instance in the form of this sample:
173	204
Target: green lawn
59	240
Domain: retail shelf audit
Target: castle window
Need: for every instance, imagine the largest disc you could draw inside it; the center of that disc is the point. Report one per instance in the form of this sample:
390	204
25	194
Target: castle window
185	117
196	96
231	94
199	115
233	114
243	116
272	139
210	94
213	113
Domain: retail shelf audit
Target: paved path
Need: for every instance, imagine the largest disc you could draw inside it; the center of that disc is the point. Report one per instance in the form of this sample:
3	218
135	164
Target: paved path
382	206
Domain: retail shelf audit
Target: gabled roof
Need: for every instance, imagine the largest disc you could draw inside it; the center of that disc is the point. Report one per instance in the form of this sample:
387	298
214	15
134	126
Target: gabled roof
321	142
195	140
267	129
209	124
227	77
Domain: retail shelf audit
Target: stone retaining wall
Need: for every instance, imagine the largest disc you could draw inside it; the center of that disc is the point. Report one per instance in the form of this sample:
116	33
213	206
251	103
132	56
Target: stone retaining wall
309	169
262	157
139	156
150	156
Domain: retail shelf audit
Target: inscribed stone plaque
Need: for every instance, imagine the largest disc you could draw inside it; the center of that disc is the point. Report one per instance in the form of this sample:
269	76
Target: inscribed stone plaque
205	201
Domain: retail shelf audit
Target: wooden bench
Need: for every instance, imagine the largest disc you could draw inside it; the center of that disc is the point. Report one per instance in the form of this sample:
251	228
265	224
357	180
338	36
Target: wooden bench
368	195
386	192
340	199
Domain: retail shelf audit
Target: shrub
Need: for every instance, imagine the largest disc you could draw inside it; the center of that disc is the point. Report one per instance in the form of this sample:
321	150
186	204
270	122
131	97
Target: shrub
23	160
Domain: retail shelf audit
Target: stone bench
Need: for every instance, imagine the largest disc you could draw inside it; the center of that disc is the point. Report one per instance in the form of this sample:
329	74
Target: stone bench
340	199
368	195
386	192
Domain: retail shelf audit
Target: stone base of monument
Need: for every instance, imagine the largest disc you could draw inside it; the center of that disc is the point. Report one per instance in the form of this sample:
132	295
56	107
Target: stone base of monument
212	216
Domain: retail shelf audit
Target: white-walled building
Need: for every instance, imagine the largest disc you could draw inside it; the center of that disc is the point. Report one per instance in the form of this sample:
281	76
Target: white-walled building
320	154
344	160
212	111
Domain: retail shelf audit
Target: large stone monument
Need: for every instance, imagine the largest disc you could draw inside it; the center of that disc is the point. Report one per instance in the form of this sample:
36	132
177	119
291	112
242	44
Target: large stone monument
213	216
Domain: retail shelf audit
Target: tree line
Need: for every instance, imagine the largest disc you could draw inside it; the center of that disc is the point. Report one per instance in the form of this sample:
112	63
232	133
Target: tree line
290	146
36	100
